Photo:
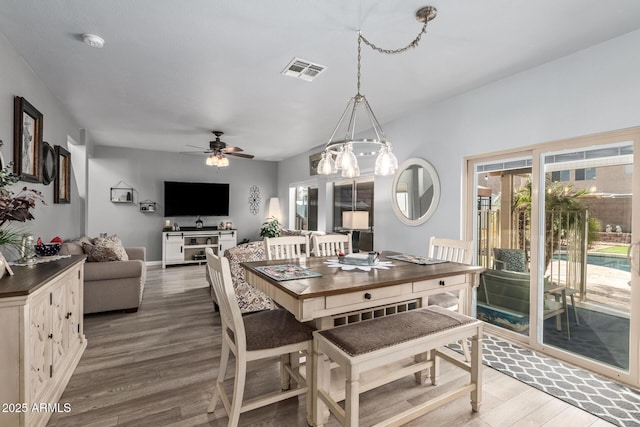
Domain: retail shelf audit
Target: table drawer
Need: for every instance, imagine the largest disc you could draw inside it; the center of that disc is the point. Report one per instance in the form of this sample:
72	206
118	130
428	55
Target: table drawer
425	285
369	296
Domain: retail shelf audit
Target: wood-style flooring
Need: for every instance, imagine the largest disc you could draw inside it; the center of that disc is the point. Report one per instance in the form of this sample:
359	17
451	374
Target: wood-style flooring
157	367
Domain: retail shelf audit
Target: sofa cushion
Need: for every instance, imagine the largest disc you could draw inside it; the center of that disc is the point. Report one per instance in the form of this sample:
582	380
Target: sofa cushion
105	249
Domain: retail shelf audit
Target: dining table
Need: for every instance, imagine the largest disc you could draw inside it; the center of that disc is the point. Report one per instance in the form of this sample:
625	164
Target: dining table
327	293
337	294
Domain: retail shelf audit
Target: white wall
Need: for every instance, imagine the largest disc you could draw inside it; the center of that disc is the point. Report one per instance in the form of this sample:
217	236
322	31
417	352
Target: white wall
17	79
146	172
592	91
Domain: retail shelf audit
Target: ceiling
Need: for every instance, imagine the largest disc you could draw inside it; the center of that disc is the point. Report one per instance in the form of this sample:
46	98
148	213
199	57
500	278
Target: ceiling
171	71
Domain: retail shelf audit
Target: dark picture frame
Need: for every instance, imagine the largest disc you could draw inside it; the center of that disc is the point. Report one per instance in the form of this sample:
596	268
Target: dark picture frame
49	163
27	140
314	159
62	181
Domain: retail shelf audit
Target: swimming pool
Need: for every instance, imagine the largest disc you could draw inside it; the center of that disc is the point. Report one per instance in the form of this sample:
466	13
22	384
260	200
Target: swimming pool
604	260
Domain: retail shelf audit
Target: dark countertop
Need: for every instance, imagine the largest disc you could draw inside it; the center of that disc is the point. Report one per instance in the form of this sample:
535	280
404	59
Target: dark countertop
28	279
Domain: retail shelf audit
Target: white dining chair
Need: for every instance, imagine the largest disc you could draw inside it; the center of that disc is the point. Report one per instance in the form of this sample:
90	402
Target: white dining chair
454	251
331	244
265	334
286	247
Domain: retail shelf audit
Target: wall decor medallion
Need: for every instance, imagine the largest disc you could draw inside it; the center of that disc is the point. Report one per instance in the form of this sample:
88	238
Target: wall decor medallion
254	200
49	163
27	139
62	181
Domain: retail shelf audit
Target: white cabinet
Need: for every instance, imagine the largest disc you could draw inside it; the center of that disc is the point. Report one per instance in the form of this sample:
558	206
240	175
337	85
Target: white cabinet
188	246
43	338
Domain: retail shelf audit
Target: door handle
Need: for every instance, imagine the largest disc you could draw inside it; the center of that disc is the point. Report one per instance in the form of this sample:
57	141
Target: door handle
631	255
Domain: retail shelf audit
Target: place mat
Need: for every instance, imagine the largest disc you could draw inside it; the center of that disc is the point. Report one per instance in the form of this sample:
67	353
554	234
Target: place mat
422	260
335	263
287	272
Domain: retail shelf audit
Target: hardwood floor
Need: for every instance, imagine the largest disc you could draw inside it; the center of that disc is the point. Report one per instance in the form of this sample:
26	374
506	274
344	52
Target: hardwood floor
157	367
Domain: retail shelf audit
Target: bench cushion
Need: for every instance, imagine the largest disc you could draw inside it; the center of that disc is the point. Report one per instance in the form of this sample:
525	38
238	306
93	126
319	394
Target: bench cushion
375	334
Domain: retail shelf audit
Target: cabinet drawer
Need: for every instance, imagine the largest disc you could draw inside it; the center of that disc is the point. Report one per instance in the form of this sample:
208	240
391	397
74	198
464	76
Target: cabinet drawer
443	282
371	295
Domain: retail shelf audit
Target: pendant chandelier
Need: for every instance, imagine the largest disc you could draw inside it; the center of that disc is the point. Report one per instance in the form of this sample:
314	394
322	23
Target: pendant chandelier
340	155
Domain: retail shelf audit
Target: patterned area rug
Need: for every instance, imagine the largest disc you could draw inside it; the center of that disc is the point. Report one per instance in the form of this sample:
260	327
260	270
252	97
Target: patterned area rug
602	397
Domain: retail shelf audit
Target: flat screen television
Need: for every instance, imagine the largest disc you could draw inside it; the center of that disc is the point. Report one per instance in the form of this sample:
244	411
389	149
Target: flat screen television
196	198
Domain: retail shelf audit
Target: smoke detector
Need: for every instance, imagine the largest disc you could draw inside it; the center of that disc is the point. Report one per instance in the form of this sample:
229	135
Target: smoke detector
93	40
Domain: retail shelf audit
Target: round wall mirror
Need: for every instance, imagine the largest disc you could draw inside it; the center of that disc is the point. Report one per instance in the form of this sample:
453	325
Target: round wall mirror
415	192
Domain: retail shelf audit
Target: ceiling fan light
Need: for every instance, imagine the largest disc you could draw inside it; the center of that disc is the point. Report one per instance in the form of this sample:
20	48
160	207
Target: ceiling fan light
223	162
212	160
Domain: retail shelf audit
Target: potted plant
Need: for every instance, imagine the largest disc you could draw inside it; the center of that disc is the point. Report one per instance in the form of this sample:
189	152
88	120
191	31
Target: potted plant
270	228
14	207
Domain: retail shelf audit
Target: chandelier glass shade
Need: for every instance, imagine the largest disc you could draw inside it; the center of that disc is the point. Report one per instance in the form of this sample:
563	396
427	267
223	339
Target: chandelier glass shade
217	160
341	153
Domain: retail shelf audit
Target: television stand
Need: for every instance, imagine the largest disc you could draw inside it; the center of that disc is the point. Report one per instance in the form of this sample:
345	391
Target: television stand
187	245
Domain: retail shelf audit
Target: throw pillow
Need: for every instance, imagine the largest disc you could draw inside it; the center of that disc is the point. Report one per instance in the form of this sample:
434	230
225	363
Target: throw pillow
105	249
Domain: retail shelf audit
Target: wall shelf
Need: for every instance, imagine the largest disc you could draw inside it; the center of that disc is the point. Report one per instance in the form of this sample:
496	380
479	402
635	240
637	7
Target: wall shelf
121	195
147	206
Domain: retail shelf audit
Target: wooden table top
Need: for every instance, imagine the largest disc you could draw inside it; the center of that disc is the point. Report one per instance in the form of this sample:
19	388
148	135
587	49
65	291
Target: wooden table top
28	279
335	281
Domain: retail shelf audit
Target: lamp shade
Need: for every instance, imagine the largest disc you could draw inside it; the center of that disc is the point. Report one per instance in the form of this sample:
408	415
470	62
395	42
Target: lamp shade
273	209
355	220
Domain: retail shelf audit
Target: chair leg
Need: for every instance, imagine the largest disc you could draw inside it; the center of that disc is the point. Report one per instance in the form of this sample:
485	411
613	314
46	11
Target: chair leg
285	378
224	360
238	390
575	310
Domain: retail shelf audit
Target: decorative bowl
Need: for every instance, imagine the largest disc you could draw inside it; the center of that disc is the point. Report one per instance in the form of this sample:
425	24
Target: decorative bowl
48	249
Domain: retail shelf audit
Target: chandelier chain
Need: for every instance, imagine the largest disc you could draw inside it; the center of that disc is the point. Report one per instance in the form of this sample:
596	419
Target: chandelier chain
414	43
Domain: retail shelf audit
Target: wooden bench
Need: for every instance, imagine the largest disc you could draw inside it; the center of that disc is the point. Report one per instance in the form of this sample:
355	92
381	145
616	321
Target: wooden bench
391	348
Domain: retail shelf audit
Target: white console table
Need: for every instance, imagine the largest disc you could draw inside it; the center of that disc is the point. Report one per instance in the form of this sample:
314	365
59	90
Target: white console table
42	339
187	246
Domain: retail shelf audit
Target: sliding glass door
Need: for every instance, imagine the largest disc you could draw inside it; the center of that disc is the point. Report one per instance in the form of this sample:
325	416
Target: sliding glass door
556	228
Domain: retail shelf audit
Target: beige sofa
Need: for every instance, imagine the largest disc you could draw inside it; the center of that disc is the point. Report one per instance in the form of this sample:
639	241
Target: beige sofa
112	285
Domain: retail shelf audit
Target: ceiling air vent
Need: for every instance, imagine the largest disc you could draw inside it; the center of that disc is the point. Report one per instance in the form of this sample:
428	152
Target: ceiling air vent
302	69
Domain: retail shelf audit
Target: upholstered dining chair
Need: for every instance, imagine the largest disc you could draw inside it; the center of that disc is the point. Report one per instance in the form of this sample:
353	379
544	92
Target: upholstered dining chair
265	334
286	247
455	251
331	244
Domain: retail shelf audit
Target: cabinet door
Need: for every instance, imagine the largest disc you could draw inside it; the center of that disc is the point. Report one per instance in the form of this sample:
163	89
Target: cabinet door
225	242
40	346
59	331
74	308
173	248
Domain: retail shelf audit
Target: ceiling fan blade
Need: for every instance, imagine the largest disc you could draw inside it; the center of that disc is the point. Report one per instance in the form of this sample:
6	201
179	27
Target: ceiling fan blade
195	152
231	149
246	156
195	146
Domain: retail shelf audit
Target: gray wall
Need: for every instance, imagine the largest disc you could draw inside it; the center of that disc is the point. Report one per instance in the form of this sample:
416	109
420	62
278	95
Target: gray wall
17	79
592	91
146	172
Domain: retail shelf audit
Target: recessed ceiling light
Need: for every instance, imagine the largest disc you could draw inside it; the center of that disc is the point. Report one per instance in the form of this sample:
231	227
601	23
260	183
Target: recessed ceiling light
93	40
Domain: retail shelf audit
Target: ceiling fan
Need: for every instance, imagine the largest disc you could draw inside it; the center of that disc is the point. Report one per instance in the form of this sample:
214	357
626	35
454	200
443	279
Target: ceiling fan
218	150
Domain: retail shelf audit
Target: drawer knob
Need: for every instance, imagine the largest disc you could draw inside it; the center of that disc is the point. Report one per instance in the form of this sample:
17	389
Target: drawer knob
441	282
367	296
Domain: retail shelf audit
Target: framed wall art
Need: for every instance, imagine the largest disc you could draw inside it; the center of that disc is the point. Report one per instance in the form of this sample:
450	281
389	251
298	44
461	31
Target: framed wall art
62	181
27	140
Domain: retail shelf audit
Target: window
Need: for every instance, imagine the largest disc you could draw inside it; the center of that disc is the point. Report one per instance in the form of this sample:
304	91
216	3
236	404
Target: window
352	196
585	174
560	176
306	208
